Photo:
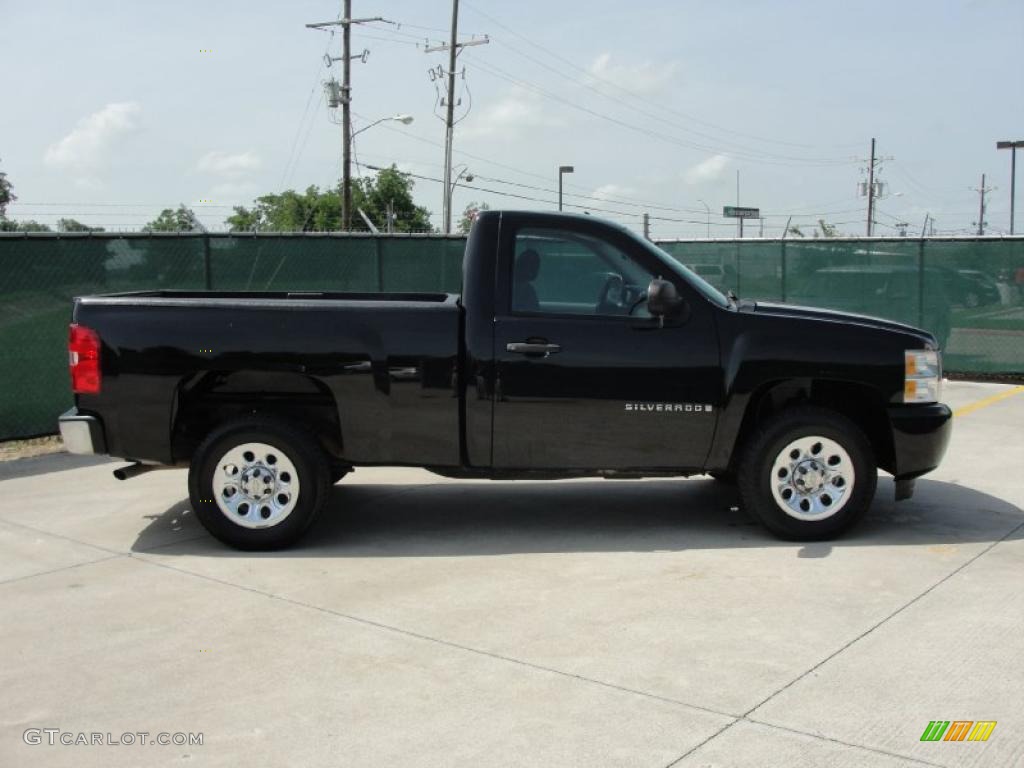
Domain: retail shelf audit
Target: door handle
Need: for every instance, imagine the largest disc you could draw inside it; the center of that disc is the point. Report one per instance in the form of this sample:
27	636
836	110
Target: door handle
535	349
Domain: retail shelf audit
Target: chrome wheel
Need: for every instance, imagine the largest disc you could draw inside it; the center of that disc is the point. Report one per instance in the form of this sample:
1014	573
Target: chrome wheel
255	485
812	478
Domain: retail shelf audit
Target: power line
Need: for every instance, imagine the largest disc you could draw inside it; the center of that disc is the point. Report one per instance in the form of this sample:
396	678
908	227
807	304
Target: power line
766	159
634	95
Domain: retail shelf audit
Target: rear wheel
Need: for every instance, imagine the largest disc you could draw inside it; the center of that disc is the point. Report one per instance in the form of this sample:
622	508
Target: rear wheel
258	483
809	474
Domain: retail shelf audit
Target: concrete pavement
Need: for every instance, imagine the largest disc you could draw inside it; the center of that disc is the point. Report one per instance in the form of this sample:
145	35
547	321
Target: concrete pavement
578	623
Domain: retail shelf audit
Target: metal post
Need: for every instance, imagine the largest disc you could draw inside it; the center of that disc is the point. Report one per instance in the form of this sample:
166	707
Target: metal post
207	268
1012	146
346	119
981	207
1013	183
920	284
782	265
562	170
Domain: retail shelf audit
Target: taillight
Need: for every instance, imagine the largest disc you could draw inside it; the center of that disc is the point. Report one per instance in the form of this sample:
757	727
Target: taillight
84	360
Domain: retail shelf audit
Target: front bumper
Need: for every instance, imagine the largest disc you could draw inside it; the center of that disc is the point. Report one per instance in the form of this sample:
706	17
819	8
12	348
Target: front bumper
82	433
920	435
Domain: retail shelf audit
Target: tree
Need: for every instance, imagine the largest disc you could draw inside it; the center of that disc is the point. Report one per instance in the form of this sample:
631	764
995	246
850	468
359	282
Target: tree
7	195
290	211
181	219
320	211
72	225
389	186
469	216
31	225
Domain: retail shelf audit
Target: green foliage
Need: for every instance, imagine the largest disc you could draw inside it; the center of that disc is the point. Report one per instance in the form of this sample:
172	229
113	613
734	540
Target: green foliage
10	225
290	211
320	211
181	219
7	195
73	225
392	186
469	216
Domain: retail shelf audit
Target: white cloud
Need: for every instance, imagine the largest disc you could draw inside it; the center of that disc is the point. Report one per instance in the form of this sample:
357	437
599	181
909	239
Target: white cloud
519	111
710	169
228	164
644	78
612	192
89	144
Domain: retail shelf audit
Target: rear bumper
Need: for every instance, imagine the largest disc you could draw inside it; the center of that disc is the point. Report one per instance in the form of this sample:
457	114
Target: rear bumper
920	435
82	433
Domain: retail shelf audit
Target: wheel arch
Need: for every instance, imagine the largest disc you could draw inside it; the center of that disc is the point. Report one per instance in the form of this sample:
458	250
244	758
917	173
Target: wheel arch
205	401
861	403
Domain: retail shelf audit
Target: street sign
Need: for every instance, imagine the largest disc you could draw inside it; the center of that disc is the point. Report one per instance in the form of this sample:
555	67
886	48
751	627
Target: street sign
735	212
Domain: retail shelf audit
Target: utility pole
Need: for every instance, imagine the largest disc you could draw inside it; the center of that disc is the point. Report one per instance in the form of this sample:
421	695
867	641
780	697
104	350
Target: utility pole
1012	146
982	191
346	118
453	48
449	121
346	22
871	189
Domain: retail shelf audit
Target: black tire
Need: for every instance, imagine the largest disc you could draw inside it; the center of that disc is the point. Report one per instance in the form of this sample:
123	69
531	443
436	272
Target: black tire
296	445
755	478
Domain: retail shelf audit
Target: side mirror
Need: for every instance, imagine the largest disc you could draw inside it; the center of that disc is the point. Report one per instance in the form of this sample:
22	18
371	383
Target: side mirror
662	298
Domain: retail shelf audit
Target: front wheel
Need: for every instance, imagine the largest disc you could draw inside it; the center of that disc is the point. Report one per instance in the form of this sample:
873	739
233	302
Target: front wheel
258	483
809	474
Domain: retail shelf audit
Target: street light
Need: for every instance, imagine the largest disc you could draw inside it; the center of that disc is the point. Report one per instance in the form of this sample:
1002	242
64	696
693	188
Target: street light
708	209
450	192
1012	146
562	170
403	119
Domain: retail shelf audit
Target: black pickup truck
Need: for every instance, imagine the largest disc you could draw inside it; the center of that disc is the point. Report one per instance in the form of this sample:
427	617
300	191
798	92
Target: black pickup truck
575	349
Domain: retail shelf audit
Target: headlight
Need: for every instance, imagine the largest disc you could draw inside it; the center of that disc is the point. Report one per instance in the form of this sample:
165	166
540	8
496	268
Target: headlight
923	376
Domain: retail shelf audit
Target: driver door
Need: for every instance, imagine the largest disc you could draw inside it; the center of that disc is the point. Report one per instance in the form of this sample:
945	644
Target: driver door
585	378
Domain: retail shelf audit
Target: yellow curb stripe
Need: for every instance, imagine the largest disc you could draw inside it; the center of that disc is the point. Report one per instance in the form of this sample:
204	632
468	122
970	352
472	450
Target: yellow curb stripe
972	407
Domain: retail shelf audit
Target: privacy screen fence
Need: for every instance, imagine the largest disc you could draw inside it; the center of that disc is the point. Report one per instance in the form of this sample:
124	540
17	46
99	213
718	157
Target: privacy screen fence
968	291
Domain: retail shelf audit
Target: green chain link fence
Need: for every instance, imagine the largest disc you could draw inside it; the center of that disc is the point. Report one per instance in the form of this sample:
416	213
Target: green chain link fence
968	291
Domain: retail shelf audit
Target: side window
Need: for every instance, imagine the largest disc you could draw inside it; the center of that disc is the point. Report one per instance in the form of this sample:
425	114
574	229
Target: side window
563	272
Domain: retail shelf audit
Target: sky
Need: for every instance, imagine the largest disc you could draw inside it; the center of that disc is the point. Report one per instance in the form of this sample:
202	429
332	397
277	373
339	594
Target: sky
112	111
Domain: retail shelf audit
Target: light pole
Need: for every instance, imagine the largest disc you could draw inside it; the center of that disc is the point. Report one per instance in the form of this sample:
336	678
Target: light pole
403	119
708	209
562	170
1012	146
466	174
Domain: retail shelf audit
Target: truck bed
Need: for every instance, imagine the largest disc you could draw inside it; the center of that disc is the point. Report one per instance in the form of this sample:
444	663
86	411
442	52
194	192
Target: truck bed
384	365
215	297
